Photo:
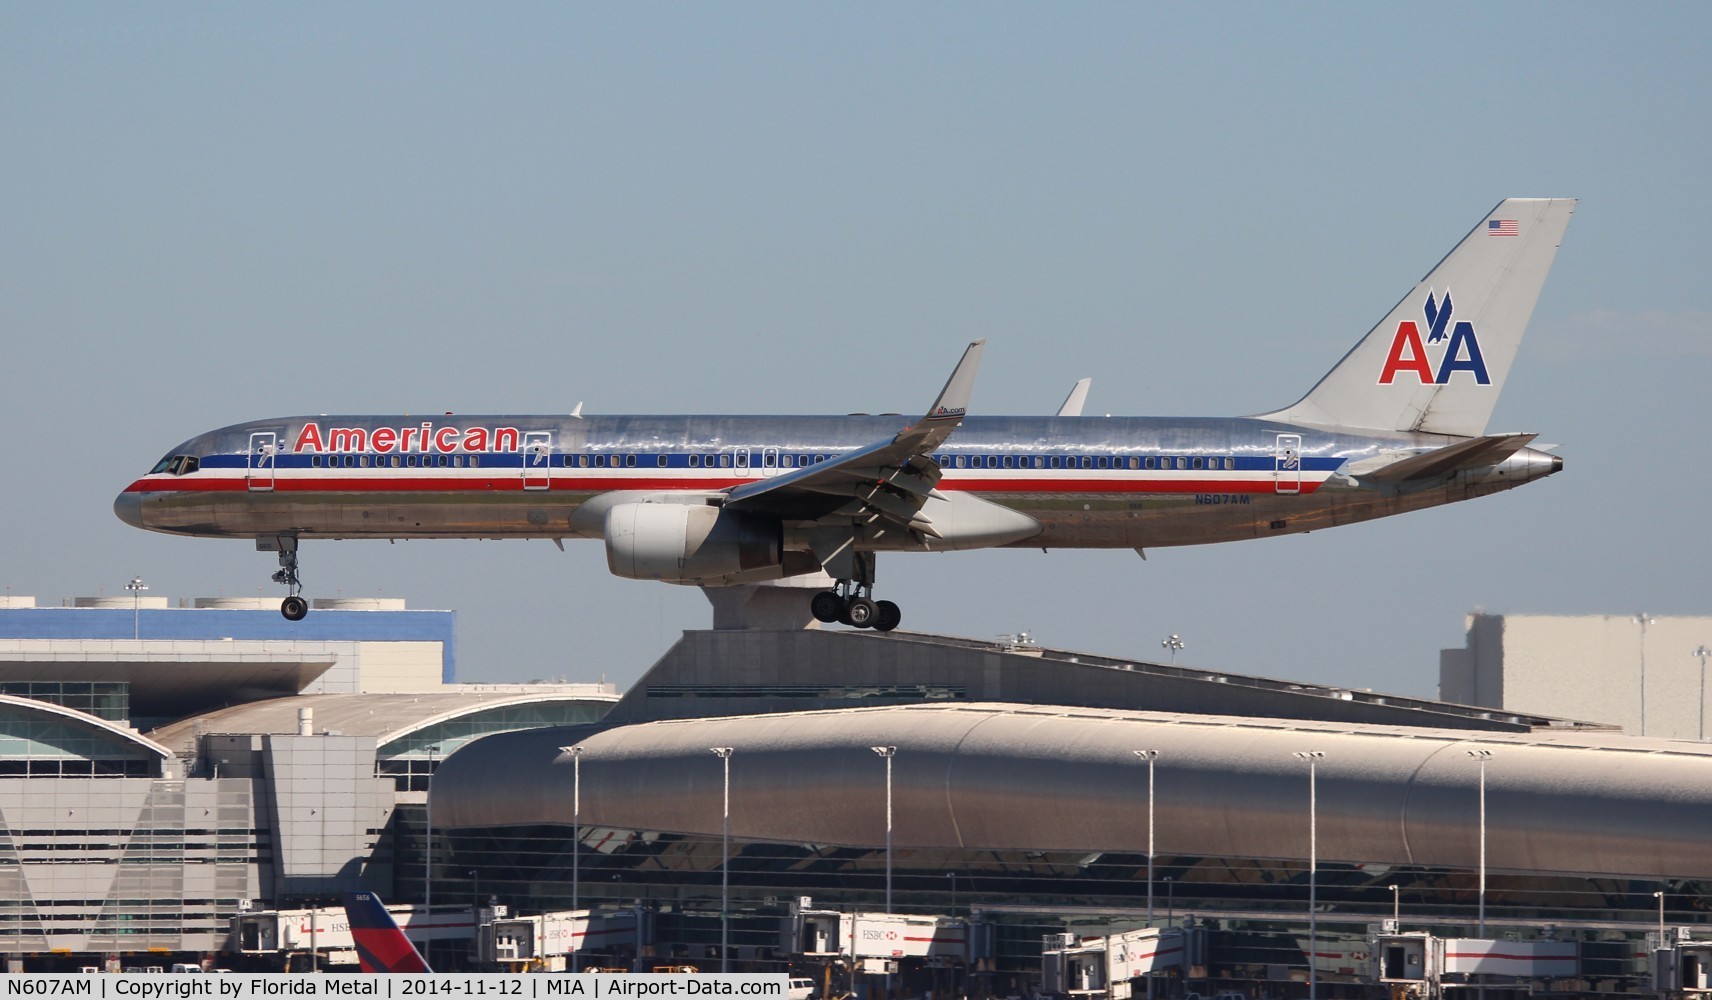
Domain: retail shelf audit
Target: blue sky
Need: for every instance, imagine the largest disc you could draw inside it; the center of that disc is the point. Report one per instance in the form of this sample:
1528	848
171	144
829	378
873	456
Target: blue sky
214	213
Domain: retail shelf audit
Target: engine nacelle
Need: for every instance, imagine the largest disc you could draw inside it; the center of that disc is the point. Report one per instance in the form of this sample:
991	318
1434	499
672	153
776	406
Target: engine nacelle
683	543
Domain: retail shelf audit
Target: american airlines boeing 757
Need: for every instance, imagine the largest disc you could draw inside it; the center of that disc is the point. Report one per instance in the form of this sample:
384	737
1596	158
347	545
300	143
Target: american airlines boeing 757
1399	424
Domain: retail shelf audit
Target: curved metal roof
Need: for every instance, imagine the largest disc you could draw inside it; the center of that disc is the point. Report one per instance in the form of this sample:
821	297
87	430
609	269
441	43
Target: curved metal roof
997	776
117	733
386	717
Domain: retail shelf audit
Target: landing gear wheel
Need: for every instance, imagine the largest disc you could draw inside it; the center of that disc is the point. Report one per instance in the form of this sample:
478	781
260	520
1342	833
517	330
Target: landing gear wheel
827	607
294	608
887	616
861	612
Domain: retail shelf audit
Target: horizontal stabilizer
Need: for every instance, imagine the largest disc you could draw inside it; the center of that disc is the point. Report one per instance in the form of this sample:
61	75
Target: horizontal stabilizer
1474	453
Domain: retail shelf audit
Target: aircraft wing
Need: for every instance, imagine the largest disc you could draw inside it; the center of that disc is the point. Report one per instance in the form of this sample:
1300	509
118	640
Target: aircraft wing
888	480
1471	454
1072	405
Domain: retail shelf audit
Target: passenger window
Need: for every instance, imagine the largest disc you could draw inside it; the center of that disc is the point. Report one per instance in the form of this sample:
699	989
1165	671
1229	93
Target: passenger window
1010	463
962	461
410	460
1182	463
1230	463
630	461
457	461
1103	462
768	460
725	461
1147	463
582	461
662	461
695	461
1087	462
1134	462
363	461
743	460
1194	463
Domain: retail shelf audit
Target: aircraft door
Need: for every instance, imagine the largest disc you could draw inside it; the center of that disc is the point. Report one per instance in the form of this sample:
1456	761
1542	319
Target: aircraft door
258	472
1287	464
537	456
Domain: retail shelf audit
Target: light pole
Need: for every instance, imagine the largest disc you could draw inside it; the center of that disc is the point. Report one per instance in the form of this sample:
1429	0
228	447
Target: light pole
724	755
1173	642
1150	756
888	753
576	753
1482	756
1643	620
136	587
1313	757
1702	652
1396	907
1660	897
428	839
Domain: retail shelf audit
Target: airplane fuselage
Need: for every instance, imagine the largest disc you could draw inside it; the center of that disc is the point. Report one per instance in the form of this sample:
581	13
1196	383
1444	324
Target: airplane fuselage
1088	482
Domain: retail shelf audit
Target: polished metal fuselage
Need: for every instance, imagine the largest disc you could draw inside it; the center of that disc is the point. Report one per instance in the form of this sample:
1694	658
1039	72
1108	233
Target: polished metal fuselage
1090	482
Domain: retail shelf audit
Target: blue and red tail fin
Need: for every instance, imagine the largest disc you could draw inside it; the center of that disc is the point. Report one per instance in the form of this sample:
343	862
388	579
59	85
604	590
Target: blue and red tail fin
381	944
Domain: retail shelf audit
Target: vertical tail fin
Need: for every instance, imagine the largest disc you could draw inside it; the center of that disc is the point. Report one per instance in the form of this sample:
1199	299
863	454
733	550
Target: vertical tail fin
381	944
1436	363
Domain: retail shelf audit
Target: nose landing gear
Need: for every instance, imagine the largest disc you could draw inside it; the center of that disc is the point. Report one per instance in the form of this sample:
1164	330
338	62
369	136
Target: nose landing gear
294	607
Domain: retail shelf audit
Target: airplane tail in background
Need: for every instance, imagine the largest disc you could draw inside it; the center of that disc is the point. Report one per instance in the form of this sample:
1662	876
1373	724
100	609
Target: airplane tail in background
381	944
1436	363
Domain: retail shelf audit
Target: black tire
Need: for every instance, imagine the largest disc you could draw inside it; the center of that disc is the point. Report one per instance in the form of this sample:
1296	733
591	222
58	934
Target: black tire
827	607
861	612
294	608
887	616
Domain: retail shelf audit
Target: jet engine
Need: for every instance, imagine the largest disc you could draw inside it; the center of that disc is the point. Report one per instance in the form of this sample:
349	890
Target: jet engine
683	543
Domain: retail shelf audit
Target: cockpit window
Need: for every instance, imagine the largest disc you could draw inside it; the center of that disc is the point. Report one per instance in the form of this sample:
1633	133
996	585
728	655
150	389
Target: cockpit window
178	465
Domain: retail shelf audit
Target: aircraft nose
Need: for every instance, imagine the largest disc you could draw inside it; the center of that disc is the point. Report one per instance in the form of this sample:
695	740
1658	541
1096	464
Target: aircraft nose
129	508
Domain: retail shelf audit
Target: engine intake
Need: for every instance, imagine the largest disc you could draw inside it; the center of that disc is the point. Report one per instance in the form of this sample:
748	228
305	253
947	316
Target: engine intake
681	543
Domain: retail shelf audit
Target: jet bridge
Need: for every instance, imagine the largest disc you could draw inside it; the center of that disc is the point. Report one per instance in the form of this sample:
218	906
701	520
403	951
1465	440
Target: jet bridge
1103	967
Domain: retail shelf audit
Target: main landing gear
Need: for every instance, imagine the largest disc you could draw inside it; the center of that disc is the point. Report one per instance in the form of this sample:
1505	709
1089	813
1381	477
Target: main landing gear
294	607
852	601
851	606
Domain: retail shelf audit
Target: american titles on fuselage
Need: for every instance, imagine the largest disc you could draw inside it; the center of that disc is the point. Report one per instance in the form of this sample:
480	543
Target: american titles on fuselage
426	437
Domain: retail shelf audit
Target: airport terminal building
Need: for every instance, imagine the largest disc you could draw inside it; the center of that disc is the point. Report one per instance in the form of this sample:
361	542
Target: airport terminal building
1047	805
162	768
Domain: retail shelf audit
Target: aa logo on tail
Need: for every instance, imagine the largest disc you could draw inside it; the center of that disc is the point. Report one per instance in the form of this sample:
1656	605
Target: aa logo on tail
1458	350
